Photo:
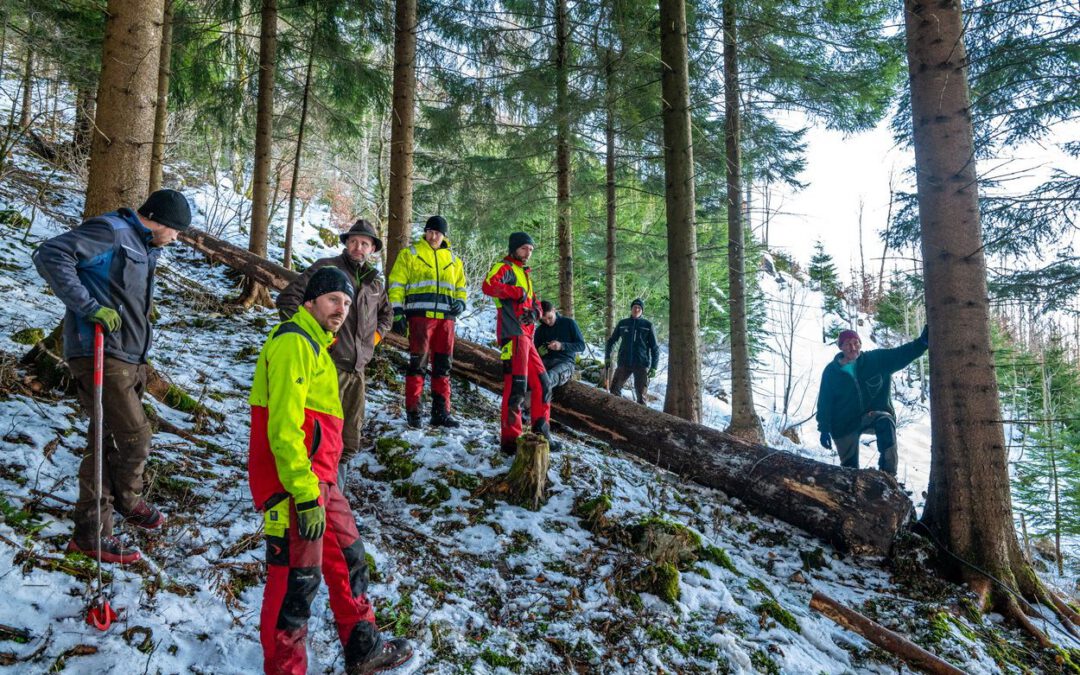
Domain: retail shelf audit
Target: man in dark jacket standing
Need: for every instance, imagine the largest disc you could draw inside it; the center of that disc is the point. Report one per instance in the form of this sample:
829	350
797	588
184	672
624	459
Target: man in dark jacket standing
639	352
103	272
370	317
856	397
558	340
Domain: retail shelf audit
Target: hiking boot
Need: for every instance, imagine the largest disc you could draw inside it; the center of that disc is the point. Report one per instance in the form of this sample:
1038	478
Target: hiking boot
508	448
391	654
440	413
412	418
544	429
111	551
144	515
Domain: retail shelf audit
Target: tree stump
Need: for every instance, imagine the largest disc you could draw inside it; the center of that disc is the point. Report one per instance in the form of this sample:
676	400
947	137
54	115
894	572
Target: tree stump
526	482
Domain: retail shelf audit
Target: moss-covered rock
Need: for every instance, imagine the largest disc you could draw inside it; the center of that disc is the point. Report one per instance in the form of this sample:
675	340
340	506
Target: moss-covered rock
663	541
28	336
662	580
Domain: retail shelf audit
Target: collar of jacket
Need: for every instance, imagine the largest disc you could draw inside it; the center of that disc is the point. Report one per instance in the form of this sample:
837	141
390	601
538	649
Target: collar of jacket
361	272
132	219
514	261
445	243
305	320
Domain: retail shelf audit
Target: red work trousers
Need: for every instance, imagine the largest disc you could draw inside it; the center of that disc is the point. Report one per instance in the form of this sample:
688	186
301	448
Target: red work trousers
523	366
295	567
434	338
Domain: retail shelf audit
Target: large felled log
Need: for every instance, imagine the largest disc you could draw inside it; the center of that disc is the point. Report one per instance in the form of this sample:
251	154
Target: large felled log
858	511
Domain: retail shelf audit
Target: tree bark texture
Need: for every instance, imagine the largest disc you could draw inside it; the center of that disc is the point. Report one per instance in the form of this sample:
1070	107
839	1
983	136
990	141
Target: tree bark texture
858	511
287	256
264	143
744	419
968	505
81	136
161	110
402	119
684	368
562	159
609	168
127	92
26	113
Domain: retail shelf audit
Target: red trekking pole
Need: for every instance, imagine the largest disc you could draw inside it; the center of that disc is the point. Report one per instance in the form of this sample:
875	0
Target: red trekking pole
99	615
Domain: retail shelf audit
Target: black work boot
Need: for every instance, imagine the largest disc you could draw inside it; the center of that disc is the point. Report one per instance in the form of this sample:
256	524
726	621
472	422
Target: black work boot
544	429
366	651
440	413
412	418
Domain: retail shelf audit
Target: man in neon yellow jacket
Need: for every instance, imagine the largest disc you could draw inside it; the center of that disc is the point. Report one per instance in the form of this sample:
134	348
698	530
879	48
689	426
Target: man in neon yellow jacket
427	292
293	454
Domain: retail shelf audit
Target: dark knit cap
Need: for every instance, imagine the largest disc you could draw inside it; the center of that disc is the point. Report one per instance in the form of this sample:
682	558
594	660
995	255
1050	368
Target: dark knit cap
519	239
364	229
437	223
846	335
327	279
169	208
639	302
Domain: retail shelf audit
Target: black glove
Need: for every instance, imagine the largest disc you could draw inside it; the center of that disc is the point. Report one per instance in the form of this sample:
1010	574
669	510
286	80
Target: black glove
457	307
826	440
401	324
924	336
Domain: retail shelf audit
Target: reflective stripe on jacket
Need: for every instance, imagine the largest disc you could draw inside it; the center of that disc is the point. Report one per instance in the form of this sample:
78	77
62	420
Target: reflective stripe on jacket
510	284
106	261
425	282
296	415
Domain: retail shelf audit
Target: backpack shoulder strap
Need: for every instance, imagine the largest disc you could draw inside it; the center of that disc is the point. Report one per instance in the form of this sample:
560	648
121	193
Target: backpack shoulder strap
290	327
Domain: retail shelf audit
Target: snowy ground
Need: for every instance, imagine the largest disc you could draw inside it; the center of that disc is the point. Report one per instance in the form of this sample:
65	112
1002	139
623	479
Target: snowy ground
478	585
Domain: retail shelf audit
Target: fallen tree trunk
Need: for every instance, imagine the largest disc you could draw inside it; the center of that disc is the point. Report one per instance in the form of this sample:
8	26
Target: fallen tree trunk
858	511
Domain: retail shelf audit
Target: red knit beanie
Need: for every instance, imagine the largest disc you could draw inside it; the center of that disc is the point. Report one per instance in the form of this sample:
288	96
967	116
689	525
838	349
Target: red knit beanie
846	335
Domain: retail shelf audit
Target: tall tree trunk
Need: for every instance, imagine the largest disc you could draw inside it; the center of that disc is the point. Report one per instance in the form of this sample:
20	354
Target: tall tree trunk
683	397
562	159
968	505
401	131
287	262
609	168
744	420
161	111
254	292
124	124
84	121
27	89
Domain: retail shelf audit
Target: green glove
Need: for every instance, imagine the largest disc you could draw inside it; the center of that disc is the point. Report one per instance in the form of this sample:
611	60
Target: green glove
310	520
652	373
107	317
543	350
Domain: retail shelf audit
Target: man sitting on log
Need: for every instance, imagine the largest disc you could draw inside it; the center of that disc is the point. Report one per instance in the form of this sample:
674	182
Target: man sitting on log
103	271
856	397
559	341
293	455
368	320
517	310
639	353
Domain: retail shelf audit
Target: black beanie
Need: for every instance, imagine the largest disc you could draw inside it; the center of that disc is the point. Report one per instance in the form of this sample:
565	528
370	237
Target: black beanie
327	280
437	223
519	239
169	208
639	302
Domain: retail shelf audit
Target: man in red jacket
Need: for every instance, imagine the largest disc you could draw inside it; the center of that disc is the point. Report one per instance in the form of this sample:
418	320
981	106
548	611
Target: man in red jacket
293	455
518	308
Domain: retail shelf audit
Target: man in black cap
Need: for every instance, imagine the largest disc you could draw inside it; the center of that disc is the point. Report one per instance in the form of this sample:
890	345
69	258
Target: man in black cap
103	272
369	319
427	292
558	339
639	352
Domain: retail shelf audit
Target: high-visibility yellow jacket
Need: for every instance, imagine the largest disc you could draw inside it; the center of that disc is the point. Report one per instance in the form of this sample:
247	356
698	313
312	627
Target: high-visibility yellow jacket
425	282
517	303
296	415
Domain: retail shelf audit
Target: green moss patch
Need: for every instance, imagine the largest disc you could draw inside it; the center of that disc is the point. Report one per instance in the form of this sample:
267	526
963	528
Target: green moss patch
28	336
429	494
664	541
662	580
397	456
771	609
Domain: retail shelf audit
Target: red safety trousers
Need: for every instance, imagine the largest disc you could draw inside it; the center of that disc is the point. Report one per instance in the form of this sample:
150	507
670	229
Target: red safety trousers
522	365
434	337
295	567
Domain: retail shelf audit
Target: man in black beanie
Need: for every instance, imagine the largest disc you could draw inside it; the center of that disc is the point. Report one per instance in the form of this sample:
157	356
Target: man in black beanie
103	272
368	321
639	352
427	292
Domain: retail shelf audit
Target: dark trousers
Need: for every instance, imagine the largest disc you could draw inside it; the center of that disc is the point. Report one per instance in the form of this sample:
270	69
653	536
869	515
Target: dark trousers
352	389
877	422
295	568
559	371
641	380
434	337
125	444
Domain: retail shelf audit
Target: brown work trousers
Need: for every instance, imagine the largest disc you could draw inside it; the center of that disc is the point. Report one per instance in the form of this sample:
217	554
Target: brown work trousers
125	444
641	380
352	389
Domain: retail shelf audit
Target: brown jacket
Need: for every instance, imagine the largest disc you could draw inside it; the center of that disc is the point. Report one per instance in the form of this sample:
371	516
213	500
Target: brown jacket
370	311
